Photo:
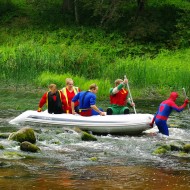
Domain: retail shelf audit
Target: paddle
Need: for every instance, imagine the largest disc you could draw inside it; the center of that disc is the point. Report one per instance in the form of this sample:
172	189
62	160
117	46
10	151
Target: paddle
184	93
130	94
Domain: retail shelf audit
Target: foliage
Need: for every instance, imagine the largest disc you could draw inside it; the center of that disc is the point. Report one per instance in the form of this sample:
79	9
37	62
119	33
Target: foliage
40	44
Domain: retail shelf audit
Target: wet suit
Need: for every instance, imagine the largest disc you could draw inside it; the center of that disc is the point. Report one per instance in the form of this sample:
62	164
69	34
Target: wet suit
164	110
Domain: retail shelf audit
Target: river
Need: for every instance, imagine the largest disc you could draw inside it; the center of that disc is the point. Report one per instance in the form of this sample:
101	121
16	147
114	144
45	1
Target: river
110	163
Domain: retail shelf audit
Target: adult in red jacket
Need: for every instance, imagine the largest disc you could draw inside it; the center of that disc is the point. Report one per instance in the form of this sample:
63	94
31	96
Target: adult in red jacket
69	92
164	110
54	99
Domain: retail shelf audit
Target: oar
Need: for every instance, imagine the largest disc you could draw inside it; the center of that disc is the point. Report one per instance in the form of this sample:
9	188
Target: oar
130	94
184	93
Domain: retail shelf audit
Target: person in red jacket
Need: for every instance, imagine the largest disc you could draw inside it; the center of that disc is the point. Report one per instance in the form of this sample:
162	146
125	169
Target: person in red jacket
69	92
54	99
118	98
164	111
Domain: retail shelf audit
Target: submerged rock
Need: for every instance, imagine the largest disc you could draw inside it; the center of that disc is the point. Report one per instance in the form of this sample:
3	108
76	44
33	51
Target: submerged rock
3	164
4	135
162	149
27	146
186	148
1	147
24	134
94	159
176	147
78	130
13	155
88	137
181	149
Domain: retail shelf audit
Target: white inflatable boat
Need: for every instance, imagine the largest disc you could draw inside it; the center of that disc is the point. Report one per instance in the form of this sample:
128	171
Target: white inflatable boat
131	124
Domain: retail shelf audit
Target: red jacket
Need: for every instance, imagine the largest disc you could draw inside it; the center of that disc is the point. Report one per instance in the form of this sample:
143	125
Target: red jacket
69	96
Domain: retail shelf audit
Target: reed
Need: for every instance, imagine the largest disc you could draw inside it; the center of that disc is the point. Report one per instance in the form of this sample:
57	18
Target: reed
33	63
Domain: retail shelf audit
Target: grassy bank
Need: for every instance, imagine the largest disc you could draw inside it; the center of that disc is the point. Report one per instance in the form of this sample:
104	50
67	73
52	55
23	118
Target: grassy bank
39	45
40	65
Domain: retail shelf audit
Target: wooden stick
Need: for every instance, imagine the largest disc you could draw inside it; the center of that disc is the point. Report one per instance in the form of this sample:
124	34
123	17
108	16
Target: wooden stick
130	94
184	92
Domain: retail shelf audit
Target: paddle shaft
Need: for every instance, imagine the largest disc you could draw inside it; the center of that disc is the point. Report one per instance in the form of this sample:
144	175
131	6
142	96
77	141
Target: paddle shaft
184	92
130	94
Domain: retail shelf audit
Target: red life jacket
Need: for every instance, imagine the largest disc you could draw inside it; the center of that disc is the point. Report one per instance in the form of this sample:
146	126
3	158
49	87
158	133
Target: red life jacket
119	98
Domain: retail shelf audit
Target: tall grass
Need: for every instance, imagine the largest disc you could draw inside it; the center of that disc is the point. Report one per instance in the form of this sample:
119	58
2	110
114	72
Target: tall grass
32	63
45	53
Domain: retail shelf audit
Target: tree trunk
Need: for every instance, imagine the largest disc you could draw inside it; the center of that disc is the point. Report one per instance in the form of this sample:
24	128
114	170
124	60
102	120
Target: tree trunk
76	12
67	6
140	7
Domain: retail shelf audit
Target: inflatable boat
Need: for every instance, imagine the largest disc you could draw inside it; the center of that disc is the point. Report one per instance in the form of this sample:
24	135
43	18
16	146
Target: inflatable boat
130	124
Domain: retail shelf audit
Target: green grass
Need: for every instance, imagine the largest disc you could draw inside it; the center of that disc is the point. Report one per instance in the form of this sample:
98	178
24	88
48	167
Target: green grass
38	48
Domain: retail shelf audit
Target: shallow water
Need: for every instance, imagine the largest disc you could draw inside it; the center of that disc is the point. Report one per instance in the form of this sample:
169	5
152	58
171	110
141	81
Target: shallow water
112	162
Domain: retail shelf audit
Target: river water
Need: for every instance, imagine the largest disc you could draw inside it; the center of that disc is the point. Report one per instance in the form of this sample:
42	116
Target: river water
111	162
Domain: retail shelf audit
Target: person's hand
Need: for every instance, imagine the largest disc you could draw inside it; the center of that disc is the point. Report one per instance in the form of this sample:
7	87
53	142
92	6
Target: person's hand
39	110
132	104
102	113
73	112
125	81
151	125
186	101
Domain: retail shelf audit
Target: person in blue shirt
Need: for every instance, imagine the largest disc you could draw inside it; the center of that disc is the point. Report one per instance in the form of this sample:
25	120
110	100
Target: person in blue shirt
87	102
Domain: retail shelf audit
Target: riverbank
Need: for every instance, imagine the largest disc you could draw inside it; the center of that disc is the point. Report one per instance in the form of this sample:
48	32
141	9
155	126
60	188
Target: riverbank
40	43
22	97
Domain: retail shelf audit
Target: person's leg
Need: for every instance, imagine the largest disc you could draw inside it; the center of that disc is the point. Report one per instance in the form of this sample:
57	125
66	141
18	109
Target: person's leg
124	110
162	127
114	110
109	111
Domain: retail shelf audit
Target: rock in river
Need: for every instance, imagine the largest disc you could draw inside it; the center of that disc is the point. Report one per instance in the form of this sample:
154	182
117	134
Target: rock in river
27	146
24	134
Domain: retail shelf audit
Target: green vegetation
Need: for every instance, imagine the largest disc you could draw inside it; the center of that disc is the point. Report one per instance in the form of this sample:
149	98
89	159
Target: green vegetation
39	44
180	147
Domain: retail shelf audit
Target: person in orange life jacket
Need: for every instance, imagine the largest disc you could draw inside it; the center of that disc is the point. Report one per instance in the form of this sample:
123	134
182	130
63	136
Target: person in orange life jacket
69	92
118	98
87	102
164	110
54	99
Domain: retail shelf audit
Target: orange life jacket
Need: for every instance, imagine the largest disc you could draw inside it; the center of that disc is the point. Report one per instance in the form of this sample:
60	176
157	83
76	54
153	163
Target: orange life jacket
119	98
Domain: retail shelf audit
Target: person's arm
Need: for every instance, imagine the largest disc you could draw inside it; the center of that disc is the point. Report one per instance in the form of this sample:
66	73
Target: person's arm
153	120
116	89
95	108
42	102
73	107
130	103
75	99
64	102
179	108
